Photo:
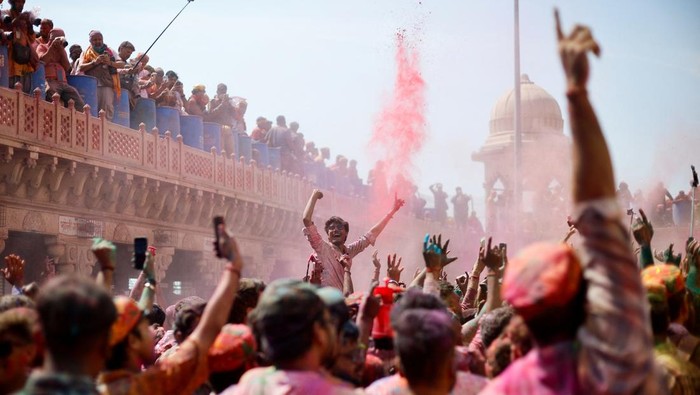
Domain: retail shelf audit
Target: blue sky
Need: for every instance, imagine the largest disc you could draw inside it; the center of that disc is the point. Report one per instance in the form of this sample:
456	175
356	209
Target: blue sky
329	66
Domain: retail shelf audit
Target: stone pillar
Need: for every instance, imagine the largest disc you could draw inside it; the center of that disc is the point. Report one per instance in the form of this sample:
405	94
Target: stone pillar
3	237
211	268
4	232
164	257
71	254
57	250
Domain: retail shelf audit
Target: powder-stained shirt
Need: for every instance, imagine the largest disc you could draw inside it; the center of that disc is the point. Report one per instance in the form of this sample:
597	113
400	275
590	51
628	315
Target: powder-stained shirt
613	353
465	384
181	373
328	254
273	381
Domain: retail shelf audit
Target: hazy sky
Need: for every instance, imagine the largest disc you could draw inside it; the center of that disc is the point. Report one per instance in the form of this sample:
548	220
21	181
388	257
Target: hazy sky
330	66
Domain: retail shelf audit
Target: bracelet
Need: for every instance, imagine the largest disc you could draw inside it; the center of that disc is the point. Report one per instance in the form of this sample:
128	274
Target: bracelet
150	286
151	281
347	271
575	91
229	267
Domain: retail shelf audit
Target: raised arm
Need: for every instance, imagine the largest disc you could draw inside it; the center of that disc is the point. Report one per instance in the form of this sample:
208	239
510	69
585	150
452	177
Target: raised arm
106	254
148	294
310	206
379	227
615	338
492	259
377	266
346	263
643	233
219	305
435	258
593	173
14	272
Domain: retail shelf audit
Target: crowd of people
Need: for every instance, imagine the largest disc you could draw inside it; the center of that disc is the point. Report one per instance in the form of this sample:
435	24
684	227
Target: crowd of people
125	71
593	314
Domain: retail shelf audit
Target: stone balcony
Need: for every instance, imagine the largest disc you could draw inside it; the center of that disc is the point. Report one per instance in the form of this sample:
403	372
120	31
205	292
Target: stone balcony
66	176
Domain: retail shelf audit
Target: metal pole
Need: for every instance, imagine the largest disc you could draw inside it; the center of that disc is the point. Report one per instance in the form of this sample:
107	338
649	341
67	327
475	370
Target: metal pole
517	179
694	186
161	33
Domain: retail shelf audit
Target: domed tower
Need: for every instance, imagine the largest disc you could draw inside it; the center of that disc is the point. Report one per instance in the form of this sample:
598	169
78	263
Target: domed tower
545	151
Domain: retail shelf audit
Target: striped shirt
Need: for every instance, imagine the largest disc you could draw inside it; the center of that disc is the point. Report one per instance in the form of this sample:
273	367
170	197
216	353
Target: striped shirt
328	254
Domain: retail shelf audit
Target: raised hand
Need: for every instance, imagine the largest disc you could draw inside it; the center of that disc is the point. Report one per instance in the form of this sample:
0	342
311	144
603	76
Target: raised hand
228	247
573	51
491	257
317	194
435	254
432	254
398	203
642	230
14	270
149	267
375	261
345	262
462	282
105	252
393	268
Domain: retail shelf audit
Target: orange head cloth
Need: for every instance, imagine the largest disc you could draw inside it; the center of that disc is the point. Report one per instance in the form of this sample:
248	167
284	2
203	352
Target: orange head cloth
542	276
128	316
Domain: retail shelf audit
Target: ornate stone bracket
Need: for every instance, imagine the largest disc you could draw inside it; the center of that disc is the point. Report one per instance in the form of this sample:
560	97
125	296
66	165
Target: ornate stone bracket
164	257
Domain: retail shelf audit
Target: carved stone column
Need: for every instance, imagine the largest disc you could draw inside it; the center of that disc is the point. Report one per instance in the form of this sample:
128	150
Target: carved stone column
164	257
72	255
3	236
210	268
56	250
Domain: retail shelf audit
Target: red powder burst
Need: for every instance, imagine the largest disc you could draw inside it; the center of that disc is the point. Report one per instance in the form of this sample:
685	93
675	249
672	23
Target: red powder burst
399	131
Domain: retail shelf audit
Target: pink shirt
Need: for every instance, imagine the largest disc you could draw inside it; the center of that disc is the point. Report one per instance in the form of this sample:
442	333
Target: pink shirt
272	381
466	384
328	254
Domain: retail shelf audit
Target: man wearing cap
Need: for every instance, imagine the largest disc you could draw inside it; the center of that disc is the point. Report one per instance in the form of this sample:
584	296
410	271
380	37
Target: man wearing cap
334	257
666	293
53	54
99	61
587	317
298	336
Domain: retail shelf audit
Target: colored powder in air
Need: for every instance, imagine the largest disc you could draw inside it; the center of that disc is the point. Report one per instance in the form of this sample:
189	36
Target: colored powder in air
399	131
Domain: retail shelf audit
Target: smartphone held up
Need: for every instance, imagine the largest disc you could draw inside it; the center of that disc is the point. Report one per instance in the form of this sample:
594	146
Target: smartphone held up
140	249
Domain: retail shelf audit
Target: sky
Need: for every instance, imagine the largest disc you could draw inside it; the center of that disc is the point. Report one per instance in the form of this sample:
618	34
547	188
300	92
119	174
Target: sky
330	66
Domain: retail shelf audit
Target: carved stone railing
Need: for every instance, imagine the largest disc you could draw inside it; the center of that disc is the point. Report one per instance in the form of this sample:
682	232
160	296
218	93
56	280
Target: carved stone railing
29	120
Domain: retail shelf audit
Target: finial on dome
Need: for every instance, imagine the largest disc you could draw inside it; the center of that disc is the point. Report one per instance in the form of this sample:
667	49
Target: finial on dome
524	79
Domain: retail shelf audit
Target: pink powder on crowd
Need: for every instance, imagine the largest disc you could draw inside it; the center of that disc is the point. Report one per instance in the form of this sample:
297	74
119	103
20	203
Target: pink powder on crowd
399	131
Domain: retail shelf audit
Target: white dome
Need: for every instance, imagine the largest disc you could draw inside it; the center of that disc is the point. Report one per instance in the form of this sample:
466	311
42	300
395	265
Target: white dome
540	113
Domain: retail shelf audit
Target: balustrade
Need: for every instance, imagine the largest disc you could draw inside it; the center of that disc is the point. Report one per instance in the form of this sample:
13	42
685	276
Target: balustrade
51	128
